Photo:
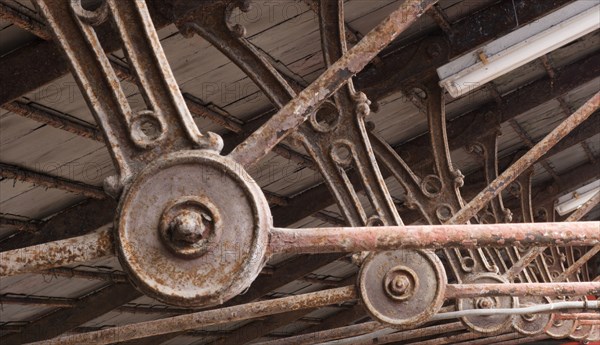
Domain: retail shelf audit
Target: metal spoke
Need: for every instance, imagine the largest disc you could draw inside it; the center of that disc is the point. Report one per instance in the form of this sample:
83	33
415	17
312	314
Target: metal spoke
193	229
510	174
41	257
295	112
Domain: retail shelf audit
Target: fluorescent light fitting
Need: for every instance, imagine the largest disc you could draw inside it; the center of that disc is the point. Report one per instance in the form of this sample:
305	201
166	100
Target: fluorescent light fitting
574	200
519	47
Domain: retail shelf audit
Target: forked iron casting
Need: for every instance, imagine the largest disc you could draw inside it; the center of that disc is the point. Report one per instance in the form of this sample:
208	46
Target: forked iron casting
194	229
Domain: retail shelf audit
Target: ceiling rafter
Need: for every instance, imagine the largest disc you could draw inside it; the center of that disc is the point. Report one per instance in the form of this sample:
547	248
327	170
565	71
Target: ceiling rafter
553	3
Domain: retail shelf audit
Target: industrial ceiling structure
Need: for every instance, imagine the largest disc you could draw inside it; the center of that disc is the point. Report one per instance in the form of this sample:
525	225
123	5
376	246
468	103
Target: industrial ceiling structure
299	171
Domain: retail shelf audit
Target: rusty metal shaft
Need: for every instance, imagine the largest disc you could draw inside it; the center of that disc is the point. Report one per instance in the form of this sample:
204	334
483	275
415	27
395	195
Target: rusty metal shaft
527	160
293	114
522	289
58	253
207	318
578	316
333	240
532	253
578	264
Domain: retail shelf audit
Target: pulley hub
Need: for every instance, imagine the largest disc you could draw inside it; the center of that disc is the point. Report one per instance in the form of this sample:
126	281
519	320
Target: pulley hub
192	229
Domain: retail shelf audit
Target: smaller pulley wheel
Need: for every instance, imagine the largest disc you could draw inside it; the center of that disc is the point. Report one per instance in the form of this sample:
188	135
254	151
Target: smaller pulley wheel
581	332
559	329
486	324
402	288
192	229
531	324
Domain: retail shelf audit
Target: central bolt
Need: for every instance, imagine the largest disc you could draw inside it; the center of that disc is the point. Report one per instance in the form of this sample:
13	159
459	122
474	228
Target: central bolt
399	285
485	303
187	227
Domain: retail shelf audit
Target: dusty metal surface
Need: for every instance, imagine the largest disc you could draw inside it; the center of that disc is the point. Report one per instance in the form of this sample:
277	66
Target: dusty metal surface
523	289
358	239
402	288
211	317
516	169
194	229
296	111
53	254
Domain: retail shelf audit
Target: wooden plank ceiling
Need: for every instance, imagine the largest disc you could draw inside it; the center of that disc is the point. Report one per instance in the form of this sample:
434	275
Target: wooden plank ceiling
288	33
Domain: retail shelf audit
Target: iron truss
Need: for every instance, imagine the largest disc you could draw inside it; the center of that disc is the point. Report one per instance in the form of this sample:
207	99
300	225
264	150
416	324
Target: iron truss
194	231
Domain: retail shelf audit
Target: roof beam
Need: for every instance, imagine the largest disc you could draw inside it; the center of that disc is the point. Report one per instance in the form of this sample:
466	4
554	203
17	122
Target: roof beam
461	131
40	84
32	72
63	320
40	179
468	33
73	221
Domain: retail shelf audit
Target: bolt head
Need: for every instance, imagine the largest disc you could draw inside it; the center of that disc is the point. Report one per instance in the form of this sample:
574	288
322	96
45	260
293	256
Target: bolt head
188	227
400	283
485	303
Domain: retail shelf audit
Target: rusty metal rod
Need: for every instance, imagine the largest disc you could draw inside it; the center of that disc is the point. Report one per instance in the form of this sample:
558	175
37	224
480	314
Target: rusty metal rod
533	155
370	339
49	181
522	289
577	264
589	322
578	316
293	114
112	277
518	339
492	340
327	335
532	253
38	301
58	253
451	339
208	318
523	262
19	224
53	120
24	21
196	108
357	239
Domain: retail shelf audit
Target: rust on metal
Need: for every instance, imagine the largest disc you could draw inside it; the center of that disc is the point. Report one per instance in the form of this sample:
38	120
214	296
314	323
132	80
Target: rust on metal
19	224
327	335
522	289
59	253
208	318
24	21
37	114
533	155
315	240
578	316
49	181
295	112
578	264
112	277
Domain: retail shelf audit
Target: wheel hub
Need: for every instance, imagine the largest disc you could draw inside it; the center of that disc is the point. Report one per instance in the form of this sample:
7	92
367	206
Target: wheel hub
192	229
